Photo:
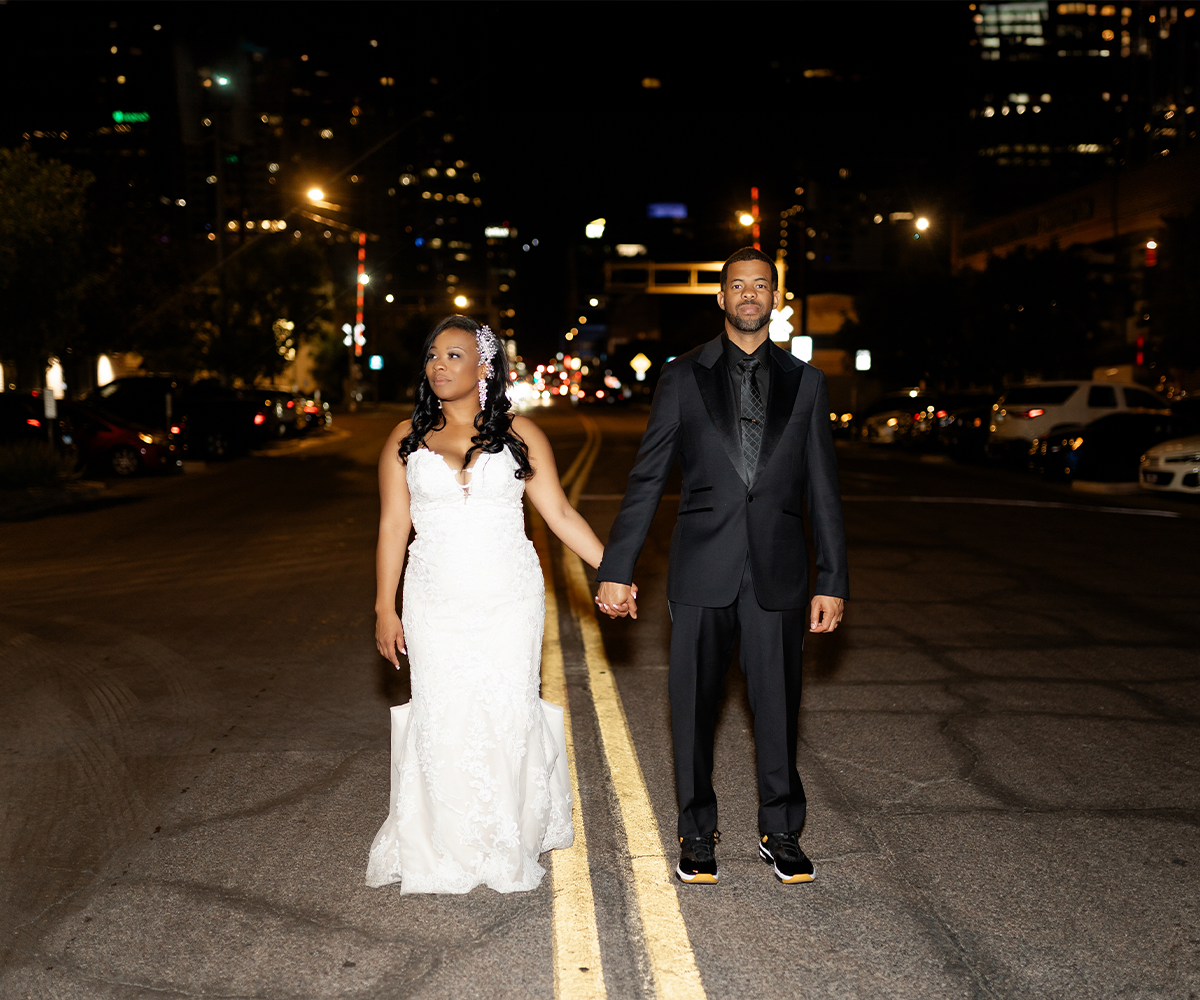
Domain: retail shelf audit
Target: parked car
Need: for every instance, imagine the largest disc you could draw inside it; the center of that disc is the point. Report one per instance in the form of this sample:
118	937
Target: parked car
1172	466
316	414
23	418
890	420
211	421
1106	450
107	443
1033	410
284	411
961	424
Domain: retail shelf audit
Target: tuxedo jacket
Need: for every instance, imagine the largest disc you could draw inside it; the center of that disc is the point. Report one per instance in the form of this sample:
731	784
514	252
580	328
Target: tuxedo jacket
727	511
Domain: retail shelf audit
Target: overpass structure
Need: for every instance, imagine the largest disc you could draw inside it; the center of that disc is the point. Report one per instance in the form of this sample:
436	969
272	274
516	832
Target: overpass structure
1129	203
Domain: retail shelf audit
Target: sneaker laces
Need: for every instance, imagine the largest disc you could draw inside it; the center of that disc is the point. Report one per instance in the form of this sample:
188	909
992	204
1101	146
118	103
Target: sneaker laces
787	847
702	848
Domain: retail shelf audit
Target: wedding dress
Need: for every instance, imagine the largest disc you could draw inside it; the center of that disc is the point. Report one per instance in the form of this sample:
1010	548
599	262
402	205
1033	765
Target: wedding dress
479	778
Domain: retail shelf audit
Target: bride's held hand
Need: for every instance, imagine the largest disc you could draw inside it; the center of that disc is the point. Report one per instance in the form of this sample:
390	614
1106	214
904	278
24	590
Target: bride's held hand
617	600
389	637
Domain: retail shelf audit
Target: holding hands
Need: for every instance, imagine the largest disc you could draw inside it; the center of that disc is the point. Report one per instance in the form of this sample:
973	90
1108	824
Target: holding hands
617	599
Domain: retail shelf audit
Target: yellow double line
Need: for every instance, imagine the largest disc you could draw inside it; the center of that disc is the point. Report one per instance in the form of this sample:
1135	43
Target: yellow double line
577	966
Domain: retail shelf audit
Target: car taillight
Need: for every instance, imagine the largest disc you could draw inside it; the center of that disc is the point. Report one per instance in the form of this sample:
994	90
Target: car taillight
941	414
312	409
1035	412
176	429
33	422
259	419
599	393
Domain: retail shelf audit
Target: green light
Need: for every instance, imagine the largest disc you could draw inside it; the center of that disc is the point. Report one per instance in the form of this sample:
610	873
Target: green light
131	116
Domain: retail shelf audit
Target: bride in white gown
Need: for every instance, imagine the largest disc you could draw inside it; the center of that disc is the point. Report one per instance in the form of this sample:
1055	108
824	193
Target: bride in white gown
479	778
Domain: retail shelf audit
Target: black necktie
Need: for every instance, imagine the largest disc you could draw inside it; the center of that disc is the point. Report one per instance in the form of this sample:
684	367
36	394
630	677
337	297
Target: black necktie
753	414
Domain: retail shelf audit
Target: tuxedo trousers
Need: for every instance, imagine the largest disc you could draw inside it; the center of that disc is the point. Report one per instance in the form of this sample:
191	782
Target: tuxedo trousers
771	649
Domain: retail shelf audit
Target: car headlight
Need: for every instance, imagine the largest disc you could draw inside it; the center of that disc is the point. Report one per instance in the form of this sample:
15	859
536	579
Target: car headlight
146	438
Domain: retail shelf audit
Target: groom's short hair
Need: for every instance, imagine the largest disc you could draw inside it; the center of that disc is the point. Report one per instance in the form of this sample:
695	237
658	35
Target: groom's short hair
749	253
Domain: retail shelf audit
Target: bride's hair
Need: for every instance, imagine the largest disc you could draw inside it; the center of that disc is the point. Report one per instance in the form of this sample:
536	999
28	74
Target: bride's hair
493	424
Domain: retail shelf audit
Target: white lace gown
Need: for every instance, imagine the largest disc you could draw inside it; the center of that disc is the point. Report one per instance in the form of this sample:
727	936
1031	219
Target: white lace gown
479	778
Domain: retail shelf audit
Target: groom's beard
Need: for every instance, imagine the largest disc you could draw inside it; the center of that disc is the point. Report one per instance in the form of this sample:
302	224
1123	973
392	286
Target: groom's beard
747	325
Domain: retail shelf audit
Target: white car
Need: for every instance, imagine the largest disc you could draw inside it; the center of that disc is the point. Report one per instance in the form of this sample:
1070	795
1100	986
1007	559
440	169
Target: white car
1172	466
1030	411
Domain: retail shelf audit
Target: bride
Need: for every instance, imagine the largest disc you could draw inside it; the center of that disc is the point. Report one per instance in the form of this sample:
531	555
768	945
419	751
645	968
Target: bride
479	778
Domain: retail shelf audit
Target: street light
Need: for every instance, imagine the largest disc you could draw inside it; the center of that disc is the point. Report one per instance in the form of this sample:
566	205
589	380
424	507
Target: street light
922	224
746	219
461	301
316	194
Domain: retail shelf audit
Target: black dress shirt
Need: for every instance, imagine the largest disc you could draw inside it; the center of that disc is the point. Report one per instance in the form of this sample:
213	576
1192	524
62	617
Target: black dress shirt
734	354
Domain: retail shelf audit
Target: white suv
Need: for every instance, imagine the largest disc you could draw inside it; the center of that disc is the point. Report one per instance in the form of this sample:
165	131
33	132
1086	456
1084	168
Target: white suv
1032	410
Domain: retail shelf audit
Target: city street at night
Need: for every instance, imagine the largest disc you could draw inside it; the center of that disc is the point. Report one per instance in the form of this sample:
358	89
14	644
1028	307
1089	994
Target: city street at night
896	302
999	748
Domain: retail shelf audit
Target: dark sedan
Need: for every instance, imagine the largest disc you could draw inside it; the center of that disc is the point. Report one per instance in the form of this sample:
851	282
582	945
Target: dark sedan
1107	450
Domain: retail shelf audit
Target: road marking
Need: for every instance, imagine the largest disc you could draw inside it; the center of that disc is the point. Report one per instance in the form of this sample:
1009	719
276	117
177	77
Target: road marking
672	962
578	974
984	501
990	502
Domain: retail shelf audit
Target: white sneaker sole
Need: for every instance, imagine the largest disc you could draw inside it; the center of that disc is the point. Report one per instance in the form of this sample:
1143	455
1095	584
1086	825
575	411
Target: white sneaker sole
700	878
785	879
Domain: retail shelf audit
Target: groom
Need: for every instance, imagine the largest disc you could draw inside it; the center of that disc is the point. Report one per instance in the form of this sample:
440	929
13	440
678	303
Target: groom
749	424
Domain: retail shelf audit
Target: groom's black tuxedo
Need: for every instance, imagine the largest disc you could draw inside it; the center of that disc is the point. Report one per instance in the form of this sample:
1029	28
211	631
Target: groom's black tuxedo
739	565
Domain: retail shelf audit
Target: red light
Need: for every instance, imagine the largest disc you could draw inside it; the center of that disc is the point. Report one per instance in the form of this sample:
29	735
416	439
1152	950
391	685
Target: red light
1035	412
940	414
259	418
33	422
176	429
291	403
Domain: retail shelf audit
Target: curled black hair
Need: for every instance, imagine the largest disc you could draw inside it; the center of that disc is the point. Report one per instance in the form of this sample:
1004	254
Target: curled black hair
493	424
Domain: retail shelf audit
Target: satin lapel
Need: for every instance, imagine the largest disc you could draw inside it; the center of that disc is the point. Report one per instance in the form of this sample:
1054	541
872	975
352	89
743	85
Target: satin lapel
785	383
714	391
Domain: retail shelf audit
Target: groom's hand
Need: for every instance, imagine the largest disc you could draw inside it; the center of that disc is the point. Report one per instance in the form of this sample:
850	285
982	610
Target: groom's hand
826	613
617	599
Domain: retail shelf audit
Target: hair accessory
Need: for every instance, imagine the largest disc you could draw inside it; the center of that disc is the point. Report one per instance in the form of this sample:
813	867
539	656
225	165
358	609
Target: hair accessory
487	345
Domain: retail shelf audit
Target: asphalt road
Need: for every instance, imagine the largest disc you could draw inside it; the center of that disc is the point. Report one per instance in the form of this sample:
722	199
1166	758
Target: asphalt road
1000	750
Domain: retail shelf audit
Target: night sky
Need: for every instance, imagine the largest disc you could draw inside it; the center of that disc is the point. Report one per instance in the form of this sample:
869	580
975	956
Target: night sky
554	99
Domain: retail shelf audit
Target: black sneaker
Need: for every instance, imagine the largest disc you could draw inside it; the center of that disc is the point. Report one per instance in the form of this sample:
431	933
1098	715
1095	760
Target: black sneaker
782	852
698	859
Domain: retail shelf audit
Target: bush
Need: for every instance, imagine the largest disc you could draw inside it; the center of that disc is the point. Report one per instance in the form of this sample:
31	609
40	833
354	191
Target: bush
33	463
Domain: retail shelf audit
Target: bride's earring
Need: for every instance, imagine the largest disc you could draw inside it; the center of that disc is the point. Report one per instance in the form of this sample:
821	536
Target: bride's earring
483	394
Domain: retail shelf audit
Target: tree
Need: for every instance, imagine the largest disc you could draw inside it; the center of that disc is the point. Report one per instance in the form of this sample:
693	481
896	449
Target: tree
41	227
272	300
